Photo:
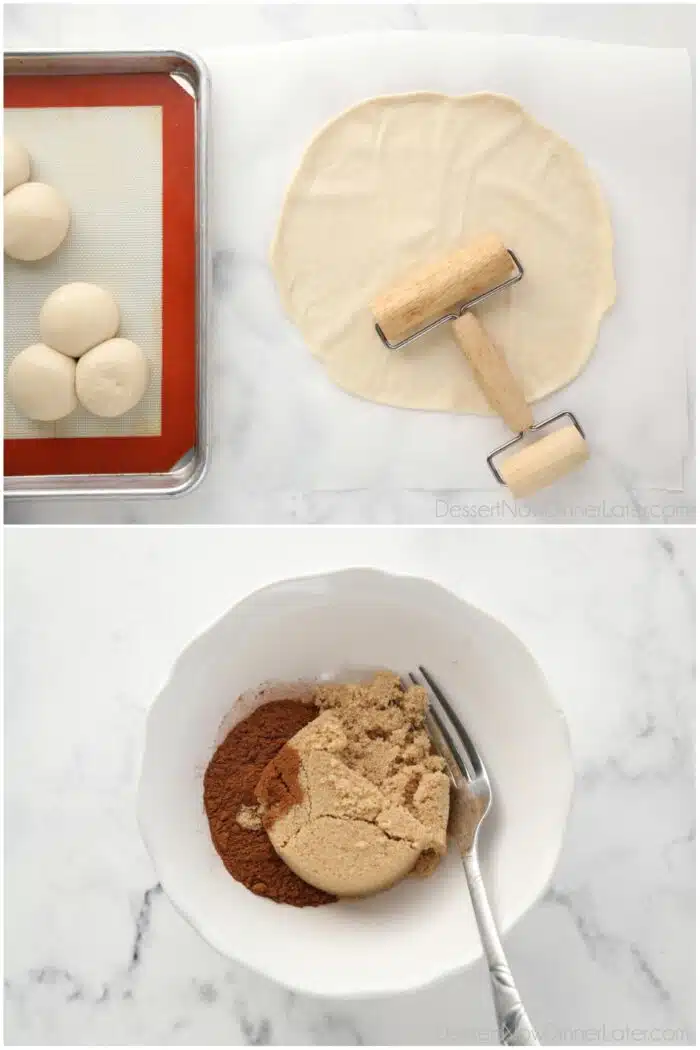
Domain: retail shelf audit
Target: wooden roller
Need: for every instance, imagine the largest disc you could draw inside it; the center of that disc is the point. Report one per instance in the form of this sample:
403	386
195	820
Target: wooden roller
435	289
540	462
546	460
436	292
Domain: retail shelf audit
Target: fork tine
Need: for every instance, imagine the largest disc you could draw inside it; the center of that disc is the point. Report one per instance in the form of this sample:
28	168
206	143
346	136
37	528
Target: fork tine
460	731
442	739
445	745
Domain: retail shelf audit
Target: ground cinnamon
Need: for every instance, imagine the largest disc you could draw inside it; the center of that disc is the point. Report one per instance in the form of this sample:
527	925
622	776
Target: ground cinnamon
279	788
229	787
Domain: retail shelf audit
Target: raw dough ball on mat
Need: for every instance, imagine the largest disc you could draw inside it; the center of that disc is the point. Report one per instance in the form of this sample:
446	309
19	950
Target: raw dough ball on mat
15	165
36	221
399	181
77	317
41	383
112	377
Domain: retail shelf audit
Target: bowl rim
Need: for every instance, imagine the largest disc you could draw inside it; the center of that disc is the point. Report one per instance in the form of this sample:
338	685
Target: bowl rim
388	990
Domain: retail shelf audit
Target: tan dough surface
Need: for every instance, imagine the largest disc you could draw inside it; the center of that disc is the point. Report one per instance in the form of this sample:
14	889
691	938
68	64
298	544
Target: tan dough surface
399	180
78	316
111	378
16	165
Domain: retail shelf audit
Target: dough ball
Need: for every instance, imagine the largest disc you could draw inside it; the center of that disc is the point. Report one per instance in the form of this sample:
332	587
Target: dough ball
112	378
15	164
77	317
36	221
41	383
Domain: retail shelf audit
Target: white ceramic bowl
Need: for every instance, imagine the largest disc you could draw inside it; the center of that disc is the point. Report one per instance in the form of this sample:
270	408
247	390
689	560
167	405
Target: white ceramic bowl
298	629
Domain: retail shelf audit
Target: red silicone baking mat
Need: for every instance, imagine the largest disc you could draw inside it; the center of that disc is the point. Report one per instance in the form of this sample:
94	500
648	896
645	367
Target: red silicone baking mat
156	452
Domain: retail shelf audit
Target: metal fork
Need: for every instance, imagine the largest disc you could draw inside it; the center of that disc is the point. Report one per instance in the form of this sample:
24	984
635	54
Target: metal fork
471	801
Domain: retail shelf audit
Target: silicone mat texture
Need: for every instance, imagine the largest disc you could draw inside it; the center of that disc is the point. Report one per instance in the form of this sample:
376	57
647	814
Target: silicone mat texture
122	149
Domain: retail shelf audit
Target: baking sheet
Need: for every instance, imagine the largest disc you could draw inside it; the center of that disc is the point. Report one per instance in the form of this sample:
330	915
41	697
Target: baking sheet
627	109
107	161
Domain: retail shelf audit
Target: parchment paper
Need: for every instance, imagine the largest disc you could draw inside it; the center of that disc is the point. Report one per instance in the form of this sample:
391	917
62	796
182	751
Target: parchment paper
627	109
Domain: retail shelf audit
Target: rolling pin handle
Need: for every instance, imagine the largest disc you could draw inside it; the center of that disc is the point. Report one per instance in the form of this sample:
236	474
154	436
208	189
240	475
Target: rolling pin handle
491	371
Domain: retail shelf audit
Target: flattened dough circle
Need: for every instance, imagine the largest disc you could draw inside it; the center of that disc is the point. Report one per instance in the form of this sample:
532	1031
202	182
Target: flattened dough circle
402	179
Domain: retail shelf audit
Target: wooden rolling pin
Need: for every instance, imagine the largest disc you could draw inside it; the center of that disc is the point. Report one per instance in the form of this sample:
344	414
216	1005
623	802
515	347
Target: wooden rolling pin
433	290
436	291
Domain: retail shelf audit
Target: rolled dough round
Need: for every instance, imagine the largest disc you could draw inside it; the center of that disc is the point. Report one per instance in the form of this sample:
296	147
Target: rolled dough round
77	317
16	164
41	383
36	221
112	377
397	181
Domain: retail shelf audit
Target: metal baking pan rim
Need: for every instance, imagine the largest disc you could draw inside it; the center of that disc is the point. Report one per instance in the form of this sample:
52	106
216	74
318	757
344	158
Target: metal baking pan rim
156	485
107	486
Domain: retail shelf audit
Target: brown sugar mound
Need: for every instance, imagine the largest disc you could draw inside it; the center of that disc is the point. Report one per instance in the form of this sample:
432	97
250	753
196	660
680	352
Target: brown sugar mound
358	799
387	743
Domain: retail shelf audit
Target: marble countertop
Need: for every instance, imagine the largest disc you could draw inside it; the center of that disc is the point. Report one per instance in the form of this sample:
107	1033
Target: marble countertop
220	499
95	953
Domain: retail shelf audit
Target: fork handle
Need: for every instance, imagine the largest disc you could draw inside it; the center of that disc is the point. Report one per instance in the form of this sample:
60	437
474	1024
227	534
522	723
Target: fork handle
514	1027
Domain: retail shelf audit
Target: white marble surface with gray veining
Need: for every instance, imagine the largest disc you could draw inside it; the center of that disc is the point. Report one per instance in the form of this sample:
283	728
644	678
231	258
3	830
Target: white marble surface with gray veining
96	955
611	493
